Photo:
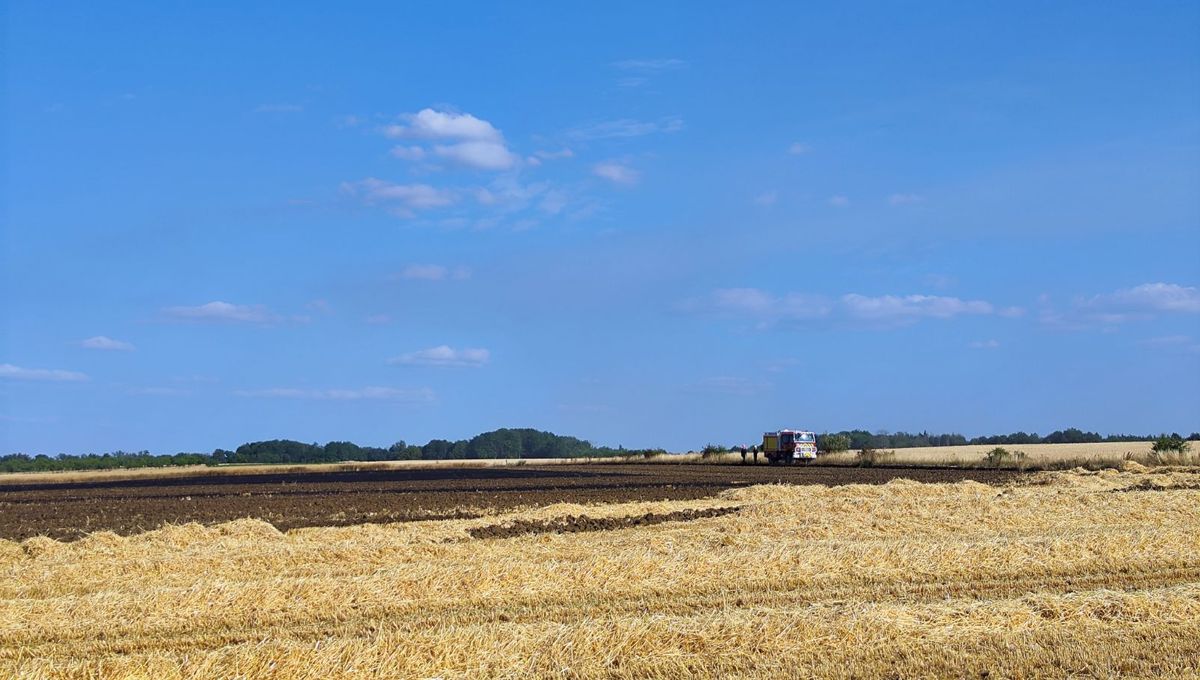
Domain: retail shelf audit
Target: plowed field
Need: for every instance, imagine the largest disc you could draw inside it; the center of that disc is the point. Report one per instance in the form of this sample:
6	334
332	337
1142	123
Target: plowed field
70	510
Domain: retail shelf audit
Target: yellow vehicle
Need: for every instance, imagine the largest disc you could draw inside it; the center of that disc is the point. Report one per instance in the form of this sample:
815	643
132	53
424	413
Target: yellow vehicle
789	446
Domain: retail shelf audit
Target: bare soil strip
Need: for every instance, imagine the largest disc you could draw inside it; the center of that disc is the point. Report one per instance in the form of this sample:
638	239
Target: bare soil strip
573	524
71	510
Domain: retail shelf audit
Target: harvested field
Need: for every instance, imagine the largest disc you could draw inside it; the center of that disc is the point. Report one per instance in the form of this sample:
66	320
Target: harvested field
288	500
1054	575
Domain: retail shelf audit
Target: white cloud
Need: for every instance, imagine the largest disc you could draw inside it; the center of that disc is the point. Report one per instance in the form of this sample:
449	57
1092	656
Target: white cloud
1107	311
466	140
616	173
378	319
799	149
431	124
626	127
1158	297
632	81
839	201
554	155
893	307
420	395
484	155
766	198
434	272
106	343
443	355
984	344
758	303
649	65
223	311
904	199
404	198
408	153
768	308
12	372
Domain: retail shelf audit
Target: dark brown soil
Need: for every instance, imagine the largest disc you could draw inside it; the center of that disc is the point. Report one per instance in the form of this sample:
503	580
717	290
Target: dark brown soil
69	510
573	524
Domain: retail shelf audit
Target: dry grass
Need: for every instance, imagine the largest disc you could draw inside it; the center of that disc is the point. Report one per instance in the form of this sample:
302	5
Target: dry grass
1077	574
1051	456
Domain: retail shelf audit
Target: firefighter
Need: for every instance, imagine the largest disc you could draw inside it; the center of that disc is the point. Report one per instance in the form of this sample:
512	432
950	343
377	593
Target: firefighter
742	450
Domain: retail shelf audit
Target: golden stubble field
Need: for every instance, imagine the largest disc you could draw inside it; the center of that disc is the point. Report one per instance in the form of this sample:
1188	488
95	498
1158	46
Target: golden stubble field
1066	574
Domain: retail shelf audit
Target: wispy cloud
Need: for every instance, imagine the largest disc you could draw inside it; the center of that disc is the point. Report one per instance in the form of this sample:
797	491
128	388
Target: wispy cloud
907	307
1109	310
1154	297
799	149
444	355
378	319
554	155
984	344
420	395
617	173
434	272
839	201
625	128
753	302
766	198
650	65
1180	343
769	309
11	372
218	311
106	343
904	199
404	200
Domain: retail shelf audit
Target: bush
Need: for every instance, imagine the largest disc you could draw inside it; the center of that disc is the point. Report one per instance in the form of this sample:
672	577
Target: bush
1001	456
869	457
833	443
711	450
1170	444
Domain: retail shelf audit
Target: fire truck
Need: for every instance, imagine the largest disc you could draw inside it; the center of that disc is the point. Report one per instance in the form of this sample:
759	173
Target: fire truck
788	447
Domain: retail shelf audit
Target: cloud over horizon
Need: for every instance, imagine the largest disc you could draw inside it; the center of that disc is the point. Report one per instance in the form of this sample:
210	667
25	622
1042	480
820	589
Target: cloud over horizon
768	308
102	342
219	311
11	372
444	355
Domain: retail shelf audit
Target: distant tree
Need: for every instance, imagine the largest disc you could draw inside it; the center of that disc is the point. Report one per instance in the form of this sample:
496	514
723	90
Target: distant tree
833	443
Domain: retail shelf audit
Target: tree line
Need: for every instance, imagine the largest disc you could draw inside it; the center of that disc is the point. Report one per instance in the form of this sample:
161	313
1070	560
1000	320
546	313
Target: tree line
502	443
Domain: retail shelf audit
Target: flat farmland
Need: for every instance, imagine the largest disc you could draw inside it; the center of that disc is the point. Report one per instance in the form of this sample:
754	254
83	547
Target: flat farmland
82	504
1060	574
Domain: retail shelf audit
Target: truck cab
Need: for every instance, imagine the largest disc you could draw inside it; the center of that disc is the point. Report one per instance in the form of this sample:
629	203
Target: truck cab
790	446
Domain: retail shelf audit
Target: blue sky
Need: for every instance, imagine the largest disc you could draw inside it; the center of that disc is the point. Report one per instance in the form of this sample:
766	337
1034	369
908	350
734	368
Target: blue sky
642	223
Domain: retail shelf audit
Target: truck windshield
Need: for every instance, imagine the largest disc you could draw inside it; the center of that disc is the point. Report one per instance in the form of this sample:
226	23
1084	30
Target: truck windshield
806	437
